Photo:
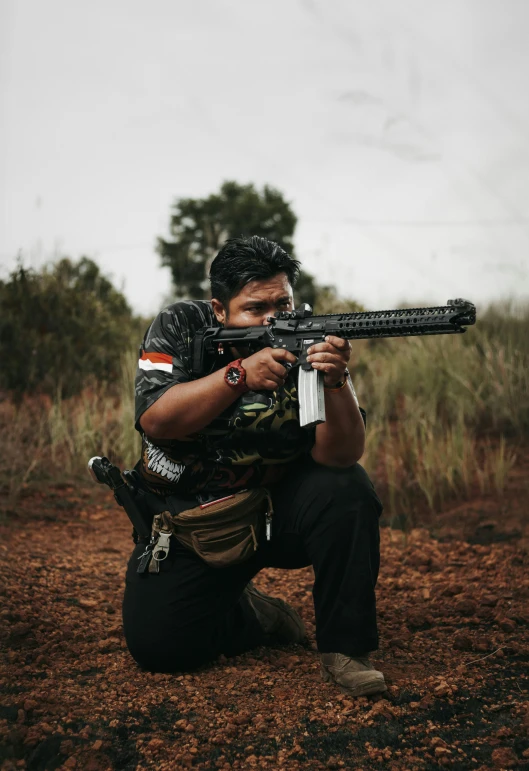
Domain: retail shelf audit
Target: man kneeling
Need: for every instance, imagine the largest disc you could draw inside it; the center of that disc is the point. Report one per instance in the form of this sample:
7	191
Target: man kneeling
238	428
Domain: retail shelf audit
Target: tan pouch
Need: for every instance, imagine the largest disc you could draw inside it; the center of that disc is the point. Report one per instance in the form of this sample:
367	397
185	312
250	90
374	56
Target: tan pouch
226	531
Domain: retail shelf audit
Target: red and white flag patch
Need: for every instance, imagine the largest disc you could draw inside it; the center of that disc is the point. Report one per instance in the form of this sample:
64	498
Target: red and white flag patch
159	361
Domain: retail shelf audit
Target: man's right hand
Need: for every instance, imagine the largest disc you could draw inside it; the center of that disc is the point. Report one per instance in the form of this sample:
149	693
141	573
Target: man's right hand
265	370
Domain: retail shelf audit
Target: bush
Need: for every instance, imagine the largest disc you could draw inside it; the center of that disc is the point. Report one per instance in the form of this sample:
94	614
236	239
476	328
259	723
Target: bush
62	328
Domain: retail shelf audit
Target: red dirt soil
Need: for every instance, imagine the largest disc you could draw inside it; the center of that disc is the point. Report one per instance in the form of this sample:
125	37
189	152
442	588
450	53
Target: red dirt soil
453	619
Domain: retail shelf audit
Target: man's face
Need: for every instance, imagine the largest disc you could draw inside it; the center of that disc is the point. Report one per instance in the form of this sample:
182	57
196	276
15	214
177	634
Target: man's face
256	302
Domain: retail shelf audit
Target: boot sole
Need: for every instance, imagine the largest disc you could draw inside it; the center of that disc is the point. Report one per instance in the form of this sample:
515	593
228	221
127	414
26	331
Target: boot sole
368	688
301	633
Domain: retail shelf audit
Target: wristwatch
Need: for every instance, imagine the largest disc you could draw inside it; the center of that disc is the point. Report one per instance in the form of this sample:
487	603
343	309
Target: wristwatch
235	376
340	384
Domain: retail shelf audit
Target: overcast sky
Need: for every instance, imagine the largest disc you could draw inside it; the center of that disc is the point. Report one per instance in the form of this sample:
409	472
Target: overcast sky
398	130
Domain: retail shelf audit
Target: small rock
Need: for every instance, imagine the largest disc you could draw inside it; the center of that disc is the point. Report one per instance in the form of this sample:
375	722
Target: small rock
415	618
451	590
489	600
85	603
462	642
154	745
436	741
110	644
465	607
503	757
242	719
397	642
21	630
506	624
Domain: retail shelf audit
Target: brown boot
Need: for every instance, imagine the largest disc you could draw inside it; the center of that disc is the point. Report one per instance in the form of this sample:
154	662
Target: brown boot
276	617
354	676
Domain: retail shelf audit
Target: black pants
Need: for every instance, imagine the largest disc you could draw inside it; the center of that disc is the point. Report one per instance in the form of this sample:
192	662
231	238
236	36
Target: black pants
189	613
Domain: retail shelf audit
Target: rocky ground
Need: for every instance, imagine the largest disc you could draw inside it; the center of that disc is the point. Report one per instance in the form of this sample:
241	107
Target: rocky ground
453	605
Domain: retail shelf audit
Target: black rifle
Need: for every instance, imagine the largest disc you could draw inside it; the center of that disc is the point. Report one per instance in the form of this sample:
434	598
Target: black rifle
297	330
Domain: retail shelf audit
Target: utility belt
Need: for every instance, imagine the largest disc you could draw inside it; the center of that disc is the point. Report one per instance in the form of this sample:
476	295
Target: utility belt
222	532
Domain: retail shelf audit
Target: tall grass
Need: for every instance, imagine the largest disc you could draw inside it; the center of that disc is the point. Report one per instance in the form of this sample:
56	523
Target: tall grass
52	439
445	417
446	413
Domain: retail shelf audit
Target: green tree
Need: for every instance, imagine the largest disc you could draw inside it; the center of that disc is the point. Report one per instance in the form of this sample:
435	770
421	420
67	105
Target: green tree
61	327
199	227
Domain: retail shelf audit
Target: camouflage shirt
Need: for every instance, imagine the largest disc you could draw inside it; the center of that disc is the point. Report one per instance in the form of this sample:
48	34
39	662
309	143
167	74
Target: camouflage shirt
248	445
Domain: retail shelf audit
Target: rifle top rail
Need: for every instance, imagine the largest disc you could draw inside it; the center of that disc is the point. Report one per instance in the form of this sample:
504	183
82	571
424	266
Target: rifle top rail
444	319
292	329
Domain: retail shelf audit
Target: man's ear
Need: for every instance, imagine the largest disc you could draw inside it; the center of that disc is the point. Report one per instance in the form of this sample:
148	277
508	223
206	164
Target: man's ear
219	311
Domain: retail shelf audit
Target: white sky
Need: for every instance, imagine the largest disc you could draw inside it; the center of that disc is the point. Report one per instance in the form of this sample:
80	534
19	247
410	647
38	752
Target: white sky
398	130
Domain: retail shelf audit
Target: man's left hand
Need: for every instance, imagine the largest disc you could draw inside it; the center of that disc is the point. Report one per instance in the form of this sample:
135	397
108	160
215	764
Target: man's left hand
330	357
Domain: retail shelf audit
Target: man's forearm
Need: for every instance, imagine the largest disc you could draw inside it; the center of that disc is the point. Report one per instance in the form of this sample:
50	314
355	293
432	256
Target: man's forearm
340	441
186	408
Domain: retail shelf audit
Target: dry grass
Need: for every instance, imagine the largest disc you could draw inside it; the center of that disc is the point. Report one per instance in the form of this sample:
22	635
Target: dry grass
51	439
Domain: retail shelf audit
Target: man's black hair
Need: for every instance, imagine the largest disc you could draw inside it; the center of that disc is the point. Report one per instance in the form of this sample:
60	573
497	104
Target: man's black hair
242	260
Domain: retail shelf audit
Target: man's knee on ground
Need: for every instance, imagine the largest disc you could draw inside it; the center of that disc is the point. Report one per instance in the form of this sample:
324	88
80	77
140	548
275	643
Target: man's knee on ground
166	656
